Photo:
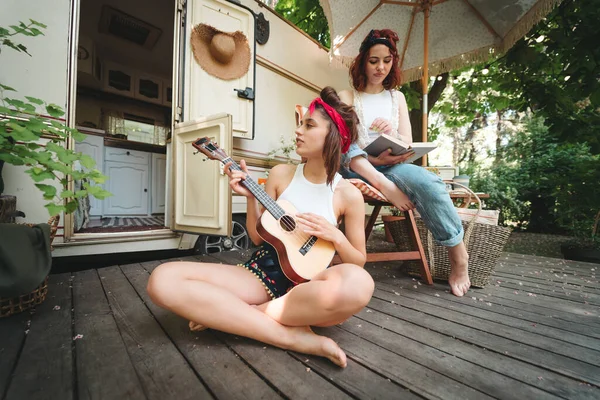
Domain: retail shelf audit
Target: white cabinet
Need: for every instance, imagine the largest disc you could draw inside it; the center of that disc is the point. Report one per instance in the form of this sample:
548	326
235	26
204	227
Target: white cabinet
129	185
159	174
128	173
137	181
93	146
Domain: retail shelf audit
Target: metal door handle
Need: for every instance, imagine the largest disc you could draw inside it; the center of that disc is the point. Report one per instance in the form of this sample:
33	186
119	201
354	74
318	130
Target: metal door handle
247	93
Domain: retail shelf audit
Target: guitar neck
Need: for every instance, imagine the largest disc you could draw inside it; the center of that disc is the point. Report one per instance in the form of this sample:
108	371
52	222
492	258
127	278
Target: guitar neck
268	203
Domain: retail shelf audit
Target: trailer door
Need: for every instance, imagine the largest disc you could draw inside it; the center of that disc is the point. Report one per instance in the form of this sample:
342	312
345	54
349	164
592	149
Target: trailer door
205	94
198	192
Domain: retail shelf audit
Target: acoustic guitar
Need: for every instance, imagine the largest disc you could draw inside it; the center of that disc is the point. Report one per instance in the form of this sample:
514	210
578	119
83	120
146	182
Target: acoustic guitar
301	256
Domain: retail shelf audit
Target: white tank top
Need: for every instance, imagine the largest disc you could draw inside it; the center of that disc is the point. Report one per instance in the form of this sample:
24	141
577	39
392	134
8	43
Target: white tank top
376	106
302	194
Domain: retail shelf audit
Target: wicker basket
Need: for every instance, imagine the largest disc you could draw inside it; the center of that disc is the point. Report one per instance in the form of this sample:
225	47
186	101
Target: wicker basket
484	244
14	305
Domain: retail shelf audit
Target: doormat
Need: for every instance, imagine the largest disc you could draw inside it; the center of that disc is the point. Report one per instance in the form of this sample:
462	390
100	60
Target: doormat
124	224
133	221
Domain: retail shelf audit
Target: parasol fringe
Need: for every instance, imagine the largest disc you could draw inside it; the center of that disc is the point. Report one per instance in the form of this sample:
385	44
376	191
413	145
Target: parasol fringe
538	11
448	64
340	61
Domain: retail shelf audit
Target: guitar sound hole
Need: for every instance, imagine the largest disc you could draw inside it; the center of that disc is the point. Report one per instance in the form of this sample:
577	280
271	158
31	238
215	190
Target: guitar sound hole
287	223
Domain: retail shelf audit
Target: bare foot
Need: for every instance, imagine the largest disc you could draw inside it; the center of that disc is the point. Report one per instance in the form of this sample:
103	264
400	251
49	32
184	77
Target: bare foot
195	327
459	275
304	340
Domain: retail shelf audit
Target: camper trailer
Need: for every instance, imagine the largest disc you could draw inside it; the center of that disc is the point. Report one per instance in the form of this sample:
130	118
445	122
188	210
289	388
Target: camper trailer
128	76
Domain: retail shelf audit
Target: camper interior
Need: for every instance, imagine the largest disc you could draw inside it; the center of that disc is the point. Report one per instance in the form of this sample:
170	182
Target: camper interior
123	104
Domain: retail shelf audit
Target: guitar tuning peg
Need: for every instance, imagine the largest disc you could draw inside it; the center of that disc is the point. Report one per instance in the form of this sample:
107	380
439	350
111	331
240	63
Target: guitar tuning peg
196	152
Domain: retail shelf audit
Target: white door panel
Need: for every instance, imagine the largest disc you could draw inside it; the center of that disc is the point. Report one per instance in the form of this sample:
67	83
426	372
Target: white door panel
129	185
202	197
205	94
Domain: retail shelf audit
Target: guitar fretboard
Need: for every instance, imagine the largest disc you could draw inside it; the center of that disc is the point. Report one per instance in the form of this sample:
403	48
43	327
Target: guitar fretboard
258	192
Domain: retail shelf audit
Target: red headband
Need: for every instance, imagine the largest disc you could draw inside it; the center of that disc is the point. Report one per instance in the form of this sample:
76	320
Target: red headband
337	120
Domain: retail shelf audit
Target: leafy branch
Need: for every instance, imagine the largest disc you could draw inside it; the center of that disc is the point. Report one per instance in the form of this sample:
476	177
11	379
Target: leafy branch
30	29
31	140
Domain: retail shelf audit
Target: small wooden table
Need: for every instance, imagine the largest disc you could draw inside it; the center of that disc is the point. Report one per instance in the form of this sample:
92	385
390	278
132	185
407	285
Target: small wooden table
458	198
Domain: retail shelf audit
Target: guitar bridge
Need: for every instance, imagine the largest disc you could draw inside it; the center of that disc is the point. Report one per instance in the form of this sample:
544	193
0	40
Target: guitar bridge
308	245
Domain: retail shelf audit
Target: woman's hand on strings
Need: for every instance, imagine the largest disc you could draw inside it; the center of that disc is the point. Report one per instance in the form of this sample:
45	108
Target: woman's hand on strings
236	177
318	226
381	125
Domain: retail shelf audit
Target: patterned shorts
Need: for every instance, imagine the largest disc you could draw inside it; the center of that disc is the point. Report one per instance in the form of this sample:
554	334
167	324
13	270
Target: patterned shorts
264	264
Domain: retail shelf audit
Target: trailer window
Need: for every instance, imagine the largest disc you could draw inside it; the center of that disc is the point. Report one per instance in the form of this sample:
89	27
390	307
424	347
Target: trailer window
145	130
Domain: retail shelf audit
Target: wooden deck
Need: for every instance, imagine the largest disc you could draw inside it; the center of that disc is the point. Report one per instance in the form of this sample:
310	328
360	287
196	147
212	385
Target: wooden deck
534	333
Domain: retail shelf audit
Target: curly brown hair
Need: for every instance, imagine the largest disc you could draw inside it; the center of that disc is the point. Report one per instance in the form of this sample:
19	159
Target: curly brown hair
332	150
386	37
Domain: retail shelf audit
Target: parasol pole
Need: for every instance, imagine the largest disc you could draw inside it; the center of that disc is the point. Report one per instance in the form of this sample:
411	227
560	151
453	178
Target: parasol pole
425	78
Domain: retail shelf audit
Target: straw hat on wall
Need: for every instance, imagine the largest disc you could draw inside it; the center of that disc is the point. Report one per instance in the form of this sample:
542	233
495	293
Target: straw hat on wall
224	55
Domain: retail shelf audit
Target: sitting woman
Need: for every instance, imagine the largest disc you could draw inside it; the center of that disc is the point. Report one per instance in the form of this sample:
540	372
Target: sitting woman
374	74
257	300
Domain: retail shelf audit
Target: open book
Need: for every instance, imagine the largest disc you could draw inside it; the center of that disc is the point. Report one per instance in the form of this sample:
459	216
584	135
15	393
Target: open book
398	147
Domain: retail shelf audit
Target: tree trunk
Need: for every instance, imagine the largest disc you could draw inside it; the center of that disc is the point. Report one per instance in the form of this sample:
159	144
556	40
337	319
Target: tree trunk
499	154
469	136
416	114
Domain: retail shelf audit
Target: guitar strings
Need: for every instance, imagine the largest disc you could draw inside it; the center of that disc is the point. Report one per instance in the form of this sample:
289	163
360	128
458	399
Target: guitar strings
292	228
303	237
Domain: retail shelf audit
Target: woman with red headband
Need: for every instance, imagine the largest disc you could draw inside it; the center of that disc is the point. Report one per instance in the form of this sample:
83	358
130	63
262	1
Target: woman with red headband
374	75
256	299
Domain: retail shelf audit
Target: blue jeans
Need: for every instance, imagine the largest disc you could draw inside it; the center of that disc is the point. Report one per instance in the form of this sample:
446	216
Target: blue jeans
425	190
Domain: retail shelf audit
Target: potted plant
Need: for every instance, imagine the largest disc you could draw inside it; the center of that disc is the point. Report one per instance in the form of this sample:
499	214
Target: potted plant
38	143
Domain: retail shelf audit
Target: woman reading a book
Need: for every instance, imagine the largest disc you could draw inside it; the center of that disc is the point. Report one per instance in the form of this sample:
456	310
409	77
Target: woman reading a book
256	299
374	74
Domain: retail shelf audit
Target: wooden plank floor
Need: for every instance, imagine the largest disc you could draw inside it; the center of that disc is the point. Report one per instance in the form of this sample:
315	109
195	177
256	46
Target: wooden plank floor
534	332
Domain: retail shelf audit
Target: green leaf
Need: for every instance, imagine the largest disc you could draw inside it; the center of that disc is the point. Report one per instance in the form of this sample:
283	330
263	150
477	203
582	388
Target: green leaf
56	166
54	209
102	194
35	100
54	111
71	206
67	193
16	103
87	161
49	190
11	159
35	31
78	136
6	111
67	157
7	88
81	193
36	23
41	176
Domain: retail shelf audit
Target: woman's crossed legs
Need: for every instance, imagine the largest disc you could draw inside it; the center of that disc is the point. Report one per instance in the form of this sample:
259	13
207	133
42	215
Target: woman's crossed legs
231	299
